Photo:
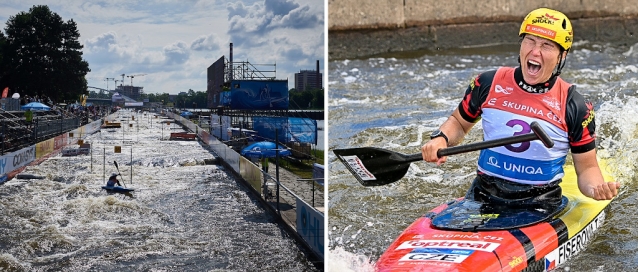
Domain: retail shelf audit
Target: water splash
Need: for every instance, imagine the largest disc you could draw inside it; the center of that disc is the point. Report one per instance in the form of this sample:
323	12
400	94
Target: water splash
342	260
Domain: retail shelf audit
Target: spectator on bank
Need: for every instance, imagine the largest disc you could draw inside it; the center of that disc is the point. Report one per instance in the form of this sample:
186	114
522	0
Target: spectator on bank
264	164
28	115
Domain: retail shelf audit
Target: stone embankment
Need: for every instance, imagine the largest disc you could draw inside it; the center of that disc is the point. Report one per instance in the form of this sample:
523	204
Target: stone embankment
361	28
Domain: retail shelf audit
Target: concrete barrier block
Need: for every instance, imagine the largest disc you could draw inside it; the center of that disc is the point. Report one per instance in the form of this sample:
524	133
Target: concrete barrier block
365	14
465	35
363	28
365	43
459	12
370	14
607	29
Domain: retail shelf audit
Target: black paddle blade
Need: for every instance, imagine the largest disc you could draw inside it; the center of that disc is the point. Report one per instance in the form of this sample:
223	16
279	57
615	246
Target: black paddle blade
374	166
115	162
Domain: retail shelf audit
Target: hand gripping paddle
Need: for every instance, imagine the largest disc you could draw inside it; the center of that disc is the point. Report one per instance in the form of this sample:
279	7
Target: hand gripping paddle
376	166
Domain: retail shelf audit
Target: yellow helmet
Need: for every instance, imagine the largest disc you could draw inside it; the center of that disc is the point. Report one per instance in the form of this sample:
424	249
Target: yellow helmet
549	24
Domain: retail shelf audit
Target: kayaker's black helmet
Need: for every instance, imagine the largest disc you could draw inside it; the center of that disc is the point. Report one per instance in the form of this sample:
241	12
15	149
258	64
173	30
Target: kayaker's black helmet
113	175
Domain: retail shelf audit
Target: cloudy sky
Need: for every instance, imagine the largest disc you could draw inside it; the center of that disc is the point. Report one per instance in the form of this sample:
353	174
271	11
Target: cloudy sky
173	42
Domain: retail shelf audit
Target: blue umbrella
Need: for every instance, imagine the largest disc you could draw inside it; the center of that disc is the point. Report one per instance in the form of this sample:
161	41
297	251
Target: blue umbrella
264	150
35	106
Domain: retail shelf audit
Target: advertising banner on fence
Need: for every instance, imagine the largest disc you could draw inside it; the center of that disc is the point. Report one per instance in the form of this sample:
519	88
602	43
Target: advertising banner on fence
310	226
60	141
44	148
251	173
266	127
12	161
289	129
302	130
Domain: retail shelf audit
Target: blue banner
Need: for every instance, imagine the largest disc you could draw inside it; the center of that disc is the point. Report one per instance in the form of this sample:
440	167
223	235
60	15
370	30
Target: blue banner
258	95
266	126
224	98
301	130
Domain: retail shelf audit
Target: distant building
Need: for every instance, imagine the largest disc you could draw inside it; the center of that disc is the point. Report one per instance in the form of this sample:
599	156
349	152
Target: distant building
307	80
134	92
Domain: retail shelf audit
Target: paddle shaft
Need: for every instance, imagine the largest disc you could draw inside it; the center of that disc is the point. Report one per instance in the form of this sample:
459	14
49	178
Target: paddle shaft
477	146
118	171
375	166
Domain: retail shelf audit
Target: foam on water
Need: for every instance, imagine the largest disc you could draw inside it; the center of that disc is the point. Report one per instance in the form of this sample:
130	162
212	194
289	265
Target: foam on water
184	215
342	260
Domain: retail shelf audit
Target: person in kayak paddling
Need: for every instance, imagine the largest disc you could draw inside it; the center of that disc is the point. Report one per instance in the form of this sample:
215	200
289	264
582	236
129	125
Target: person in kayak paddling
508	100
113	180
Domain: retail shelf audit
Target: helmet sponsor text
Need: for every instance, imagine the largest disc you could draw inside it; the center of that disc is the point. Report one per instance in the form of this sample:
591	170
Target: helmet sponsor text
541	31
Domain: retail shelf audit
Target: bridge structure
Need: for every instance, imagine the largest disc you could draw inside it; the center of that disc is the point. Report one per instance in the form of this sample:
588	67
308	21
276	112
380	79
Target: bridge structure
126	98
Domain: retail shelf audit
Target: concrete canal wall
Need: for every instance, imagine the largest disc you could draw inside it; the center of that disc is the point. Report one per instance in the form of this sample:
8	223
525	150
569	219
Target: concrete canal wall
12	163
359	28
295	209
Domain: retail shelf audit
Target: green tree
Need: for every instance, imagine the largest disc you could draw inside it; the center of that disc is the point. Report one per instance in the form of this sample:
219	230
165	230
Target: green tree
200	98
102	95
43	55
3	68
318	99
164	98
152	97
308	99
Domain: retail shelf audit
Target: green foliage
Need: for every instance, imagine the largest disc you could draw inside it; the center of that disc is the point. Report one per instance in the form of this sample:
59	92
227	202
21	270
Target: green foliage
103	95
190	99
309	99
41	55
303	168
157	97
3	68
3	41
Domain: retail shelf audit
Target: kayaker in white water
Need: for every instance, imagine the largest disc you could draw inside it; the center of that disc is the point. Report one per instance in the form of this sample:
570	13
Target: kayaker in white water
113	180
508	100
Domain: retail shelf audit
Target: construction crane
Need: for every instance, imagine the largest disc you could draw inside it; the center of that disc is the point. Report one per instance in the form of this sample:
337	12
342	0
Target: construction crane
107	82
132	76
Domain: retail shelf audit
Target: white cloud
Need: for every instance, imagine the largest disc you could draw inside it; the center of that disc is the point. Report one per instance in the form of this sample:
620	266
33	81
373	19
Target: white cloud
104	48
174	42
176	53
205	43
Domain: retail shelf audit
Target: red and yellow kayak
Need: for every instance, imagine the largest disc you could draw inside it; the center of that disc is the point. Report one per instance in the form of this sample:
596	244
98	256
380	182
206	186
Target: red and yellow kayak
538	247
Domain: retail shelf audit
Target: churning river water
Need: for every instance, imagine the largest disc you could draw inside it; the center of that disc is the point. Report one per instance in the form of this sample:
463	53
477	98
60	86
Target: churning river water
183	216
395	101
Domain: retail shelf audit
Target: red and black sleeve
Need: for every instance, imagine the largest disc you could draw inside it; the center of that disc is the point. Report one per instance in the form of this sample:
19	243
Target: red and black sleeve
475	95
580	122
